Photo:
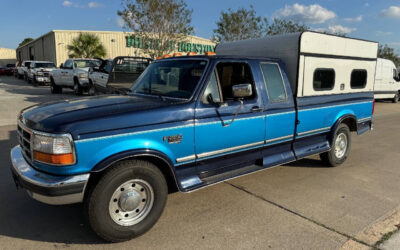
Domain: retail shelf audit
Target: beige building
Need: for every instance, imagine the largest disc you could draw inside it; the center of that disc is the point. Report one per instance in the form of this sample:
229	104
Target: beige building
52	46
7	56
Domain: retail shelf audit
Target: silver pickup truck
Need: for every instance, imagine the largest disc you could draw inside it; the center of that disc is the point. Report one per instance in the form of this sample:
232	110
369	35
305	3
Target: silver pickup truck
72	74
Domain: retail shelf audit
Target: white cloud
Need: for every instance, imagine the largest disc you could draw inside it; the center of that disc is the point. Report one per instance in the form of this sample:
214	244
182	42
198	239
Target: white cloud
94	5
314	13
384	33
391	12
120	22
354	19
366	5
67	4
340	29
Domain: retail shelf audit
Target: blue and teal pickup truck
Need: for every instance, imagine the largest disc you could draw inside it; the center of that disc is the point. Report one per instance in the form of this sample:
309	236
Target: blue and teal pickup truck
193	121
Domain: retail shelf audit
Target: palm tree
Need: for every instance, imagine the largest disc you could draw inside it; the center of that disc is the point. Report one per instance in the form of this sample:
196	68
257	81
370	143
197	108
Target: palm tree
86	46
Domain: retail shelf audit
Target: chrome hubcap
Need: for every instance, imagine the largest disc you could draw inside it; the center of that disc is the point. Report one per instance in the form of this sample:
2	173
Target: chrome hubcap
340	145
131	202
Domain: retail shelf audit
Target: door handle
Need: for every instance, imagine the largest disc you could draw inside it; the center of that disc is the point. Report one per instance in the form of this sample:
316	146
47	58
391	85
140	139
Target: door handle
256	109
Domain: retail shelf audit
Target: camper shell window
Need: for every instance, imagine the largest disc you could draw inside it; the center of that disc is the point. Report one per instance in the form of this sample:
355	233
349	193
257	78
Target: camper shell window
358	79
324	79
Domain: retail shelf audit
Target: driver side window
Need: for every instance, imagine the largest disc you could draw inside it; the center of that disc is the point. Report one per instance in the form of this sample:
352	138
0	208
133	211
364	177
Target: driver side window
224	77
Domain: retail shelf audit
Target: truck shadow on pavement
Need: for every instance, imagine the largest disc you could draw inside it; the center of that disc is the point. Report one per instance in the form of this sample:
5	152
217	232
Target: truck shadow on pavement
307	163
24	218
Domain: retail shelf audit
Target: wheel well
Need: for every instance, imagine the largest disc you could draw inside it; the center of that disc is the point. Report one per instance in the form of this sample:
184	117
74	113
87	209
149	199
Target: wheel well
351	123
159	163
76	79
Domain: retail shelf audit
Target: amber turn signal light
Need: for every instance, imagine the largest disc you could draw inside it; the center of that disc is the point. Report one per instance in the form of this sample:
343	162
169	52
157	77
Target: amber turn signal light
62	159
210	53
191	53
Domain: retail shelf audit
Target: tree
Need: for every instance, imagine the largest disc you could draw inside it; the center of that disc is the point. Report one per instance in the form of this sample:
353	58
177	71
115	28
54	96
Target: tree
281	26
160	24
25	41
245	24
386	52
240	24
86	46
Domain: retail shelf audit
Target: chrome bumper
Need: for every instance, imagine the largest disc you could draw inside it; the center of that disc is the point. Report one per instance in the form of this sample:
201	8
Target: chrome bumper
46	188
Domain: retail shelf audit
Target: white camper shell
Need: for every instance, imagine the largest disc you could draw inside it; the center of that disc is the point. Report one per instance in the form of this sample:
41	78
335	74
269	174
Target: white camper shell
349	63
387	82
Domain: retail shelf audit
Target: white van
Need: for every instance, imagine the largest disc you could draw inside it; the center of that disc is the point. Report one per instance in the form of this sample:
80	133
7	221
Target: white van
387	82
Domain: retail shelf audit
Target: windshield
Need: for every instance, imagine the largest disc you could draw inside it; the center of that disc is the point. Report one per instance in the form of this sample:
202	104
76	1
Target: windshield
87	63
175	78
45	65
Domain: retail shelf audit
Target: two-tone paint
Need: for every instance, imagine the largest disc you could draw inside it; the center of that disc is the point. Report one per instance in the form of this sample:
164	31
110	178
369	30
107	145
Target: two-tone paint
107	129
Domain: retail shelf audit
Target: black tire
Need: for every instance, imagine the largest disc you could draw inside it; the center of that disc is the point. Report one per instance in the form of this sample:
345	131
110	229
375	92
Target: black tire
332	158
100	197
396	98
34	82
77	88
92	90
54	88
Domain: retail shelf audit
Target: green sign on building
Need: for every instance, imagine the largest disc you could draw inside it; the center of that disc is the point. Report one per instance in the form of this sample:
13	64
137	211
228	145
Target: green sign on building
140	43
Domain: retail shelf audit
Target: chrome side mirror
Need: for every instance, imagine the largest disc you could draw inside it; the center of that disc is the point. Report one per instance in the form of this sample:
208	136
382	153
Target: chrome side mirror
242	90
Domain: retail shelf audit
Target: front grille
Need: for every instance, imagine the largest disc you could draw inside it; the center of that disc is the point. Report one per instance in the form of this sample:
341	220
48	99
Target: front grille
24	139
46	74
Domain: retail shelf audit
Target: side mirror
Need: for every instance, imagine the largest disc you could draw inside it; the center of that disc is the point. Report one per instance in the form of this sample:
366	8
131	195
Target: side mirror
61	65
90	70
242	90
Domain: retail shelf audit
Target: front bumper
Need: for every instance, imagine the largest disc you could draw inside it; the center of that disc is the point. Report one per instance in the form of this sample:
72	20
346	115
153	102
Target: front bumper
46	188
42	78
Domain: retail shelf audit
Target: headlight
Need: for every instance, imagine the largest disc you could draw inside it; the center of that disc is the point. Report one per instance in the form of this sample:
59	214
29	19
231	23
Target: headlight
83	75
39	73
53	149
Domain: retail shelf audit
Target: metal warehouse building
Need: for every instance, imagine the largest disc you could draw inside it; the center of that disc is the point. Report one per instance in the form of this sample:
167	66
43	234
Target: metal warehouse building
52	46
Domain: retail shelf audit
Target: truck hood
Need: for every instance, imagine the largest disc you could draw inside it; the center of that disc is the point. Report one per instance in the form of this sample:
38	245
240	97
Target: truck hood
103	113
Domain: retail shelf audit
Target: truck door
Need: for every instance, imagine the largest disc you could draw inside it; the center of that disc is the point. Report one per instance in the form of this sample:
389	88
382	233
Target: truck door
279	114
66	72
221	139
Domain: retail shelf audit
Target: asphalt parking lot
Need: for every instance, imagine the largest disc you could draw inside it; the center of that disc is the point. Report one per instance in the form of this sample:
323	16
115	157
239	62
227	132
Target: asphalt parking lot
303	205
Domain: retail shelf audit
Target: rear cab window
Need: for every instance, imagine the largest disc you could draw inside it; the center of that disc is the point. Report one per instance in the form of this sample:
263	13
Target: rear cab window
273	81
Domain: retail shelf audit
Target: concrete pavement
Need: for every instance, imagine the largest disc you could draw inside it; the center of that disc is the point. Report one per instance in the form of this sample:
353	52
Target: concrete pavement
302	205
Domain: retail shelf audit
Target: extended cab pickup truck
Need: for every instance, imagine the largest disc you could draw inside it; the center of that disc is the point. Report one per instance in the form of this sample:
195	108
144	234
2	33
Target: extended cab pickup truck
72	74
193	121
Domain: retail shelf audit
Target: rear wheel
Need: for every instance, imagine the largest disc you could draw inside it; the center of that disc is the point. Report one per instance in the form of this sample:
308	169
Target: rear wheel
127	201
340	147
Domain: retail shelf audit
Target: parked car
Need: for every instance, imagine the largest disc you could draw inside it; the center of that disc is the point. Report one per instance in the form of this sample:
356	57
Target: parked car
39	72
72	74
117	75
387	81
193	121
6	70
23	70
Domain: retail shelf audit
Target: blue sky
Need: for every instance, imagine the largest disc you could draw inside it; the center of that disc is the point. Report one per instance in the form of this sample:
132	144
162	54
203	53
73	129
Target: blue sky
376	20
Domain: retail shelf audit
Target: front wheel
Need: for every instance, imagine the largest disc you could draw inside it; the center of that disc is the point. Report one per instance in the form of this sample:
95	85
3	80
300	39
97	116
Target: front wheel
340	148
54	88
396	98
127	201
92	90
77	88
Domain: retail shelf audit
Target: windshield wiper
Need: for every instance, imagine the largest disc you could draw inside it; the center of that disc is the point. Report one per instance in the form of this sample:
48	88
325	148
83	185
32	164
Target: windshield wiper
155	91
